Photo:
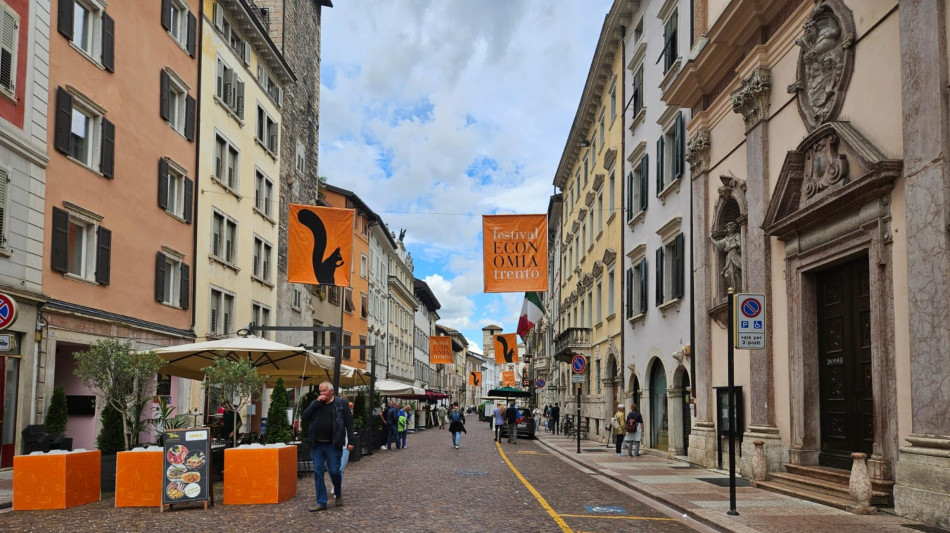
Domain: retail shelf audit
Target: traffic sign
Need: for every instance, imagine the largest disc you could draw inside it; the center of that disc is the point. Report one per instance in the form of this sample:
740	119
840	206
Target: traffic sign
579	363
750	322
7	311
578	378
539	383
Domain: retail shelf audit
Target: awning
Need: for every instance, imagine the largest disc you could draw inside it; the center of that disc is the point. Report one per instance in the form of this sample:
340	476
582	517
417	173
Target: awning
388	387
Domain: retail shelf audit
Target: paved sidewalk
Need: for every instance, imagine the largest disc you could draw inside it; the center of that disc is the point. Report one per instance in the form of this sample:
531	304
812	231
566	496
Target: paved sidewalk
704	494
6	489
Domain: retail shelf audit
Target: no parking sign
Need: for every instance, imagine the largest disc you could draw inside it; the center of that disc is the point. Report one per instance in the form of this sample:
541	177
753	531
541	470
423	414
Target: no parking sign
7	311
750	322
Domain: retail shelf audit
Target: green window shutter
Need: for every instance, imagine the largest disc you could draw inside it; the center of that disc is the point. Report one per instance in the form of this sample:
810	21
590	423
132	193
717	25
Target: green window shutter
643	285
107	155
64	117
189	199
160	277
163	183
192	35
108	42
184	293
629	196
659	165
64	18
679	147
163	96
629	293
103	255
679	266
659	276
644	181
190	117
59	249
166	14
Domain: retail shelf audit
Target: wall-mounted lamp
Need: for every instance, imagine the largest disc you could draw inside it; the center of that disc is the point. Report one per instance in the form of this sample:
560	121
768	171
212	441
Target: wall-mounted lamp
584	143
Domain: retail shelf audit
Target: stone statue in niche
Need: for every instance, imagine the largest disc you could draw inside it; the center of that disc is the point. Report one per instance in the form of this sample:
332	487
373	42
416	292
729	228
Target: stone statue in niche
730	243
825	63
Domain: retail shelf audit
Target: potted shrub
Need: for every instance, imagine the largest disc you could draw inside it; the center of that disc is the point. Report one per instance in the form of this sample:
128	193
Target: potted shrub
278	427
238	382
57	417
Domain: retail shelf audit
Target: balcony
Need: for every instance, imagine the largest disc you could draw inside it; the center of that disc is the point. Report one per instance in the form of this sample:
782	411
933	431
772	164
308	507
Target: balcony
572	341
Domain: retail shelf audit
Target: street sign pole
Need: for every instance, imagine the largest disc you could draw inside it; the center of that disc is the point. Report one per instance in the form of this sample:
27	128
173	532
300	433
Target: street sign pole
577	421
730	358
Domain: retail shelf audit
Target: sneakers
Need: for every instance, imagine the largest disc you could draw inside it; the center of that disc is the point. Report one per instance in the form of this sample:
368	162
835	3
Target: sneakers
456	446
318	508
338	501
383	448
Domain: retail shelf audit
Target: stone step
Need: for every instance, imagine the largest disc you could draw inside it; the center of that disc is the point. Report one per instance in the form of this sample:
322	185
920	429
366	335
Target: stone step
801	494
837	475
825	487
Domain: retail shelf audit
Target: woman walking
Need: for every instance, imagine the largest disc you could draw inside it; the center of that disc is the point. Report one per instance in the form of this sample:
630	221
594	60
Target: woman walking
456	424
634	431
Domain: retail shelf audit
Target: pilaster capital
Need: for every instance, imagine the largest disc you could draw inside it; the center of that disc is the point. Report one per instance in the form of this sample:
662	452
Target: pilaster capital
751	99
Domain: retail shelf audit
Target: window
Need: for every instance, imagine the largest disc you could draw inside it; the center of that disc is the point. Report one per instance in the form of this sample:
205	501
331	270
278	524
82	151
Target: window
362	349
222	312
637	288
269	85
225	163
611	195
266	130
348	300
669	39
670	155
88	27
223	237
231	36
670	270
637	183
260	315
163	387
172	279
262	259
9	36
603	127
333	295
263	194
180	23
175	190
346	342
600	302
593	153
363	264
638	32
83	133
301	160
600	211
613	101
586	168
81	247
298	295
176	106
229	89
611	306
636	99
364	305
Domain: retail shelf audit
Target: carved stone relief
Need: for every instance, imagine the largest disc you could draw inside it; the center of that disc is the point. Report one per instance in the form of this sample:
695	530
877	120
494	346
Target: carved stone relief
697	152
825	62
825	166
726	238
751	99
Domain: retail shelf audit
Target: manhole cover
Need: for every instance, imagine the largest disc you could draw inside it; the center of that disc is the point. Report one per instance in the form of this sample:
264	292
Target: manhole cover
724	481
471	472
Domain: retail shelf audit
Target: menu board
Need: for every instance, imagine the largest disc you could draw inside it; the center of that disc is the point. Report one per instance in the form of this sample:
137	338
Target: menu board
187	475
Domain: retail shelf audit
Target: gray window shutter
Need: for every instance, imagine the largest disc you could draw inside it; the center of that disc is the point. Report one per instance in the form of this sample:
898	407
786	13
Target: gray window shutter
160	277
185	287
644	181
630	207
659	165
163	183
679	266
659	276
103	255
629	293
643	285
679	147
192	35
167	14
64	18
107	156
190	109
163	95
108	42
59	249
64	117
189	199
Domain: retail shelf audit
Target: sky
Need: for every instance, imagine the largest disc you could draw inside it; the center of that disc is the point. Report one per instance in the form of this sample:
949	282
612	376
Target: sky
437	112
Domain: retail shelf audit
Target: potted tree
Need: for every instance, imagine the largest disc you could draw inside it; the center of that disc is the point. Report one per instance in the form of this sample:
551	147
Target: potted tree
123	379
278	426
238	382
57	417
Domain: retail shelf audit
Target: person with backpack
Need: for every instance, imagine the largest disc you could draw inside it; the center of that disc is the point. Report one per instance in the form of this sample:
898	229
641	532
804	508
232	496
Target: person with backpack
392	419
619	428
441	412
402	420
456	424
634	430
512	416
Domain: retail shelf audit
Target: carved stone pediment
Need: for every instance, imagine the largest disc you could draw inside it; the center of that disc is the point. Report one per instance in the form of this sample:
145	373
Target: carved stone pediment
610	255
582	214
825	62
833	170
576	225
588	281
610	155
598	269
598	181
589	199
568	238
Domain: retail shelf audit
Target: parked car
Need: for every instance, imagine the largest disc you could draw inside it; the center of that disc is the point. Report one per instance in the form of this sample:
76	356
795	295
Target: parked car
525	427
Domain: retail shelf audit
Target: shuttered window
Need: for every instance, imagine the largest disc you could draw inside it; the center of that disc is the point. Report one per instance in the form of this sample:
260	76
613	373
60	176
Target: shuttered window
84	134
4	185
87	25
80	247
172	280
267	130
9	34
175	190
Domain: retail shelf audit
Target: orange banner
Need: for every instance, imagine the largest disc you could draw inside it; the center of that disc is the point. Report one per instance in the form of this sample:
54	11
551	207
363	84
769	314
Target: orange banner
515	252
440	350
320	245
506	348
475	379
508	378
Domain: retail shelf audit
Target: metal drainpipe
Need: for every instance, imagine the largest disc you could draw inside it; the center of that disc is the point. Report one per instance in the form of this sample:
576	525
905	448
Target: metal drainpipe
623	157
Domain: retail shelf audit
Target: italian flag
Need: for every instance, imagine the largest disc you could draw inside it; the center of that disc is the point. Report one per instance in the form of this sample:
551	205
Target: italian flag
531	313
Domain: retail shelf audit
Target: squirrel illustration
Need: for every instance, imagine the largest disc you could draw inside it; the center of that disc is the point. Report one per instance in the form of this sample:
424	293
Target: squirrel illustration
475	380
509	355
323	269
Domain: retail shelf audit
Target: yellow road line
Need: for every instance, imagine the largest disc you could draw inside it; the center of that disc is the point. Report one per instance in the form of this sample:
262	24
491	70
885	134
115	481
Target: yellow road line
544	504
618	517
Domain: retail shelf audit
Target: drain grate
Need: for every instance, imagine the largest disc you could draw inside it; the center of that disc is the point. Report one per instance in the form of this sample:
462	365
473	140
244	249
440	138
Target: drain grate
597	450
724	481
472	472
925	529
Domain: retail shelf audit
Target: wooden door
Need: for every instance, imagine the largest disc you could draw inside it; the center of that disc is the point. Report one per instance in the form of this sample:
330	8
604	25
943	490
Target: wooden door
844	358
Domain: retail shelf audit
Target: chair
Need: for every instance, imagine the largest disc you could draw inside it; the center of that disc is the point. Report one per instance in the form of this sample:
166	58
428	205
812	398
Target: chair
35	439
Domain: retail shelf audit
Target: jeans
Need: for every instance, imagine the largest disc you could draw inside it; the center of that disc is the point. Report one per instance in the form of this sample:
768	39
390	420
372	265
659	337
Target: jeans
401	439
513	432
326	458
635	444
498	431
619	439
393	437
457	438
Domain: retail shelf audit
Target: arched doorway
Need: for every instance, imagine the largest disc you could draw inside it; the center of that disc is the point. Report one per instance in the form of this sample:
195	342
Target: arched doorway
659	424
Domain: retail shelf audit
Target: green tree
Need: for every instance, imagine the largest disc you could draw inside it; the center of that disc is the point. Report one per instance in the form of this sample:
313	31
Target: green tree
122	377
278	426
237	381
56	416
111	438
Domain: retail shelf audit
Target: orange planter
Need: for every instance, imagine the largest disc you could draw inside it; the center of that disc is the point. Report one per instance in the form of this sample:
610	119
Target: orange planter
138	479
260	475
55	481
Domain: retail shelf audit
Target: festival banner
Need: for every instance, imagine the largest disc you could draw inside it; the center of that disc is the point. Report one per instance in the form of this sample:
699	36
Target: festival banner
515	252
508	378
475	379
440	350
320	245
506	348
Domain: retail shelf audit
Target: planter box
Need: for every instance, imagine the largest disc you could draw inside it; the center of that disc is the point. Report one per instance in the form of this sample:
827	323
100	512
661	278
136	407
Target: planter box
55	481
138	479
260	474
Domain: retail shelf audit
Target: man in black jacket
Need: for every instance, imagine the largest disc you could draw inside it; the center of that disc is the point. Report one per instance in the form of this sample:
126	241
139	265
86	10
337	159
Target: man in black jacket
331	427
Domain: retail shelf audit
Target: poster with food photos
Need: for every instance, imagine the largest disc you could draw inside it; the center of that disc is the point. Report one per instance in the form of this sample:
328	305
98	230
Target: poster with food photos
187	475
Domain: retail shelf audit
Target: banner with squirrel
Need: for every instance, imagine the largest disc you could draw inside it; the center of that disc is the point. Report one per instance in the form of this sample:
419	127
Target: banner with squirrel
320	245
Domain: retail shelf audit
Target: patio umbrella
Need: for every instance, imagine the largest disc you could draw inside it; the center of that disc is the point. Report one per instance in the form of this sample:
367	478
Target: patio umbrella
388	387
508	392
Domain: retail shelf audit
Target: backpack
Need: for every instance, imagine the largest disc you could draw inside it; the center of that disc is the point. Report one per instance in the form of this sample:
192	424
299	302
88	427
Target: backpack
631	425
455	416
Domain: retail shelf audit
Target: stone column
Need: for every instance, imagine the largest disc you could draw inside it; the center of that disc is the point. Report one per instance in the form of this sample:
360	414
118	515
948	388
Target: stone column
922	489
702	438
674	417
751	100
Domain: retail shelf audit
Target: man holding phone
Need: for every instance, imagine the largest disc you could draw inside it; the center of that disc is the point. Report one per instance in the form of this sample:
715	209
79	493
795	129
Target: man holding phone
331	429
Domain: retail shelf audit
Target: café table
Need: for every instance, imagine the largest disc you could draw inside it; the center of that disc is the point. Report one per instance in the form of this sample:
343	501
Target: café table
56	480
260	474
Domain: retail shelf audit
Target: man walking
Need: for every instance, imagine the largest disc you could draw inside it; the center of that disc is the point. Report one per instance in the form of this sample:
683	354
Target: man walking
498	418
392	420
331	429
556	418
511	415
441	414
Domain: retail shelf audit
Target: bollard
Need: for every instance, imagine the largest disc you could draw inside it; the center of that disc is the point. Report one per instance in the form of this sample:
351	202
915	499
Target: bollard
860	486
760	467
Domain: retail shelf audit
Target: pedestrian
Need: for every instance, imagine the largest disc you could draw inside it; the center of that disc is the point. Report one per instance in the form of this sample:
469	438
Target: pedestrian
331	429
536	413
392	417
456	424
345	456
498	417
634	430
547	418
511	416
556	417
384	416
441	413
620	430
231	423
402	421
